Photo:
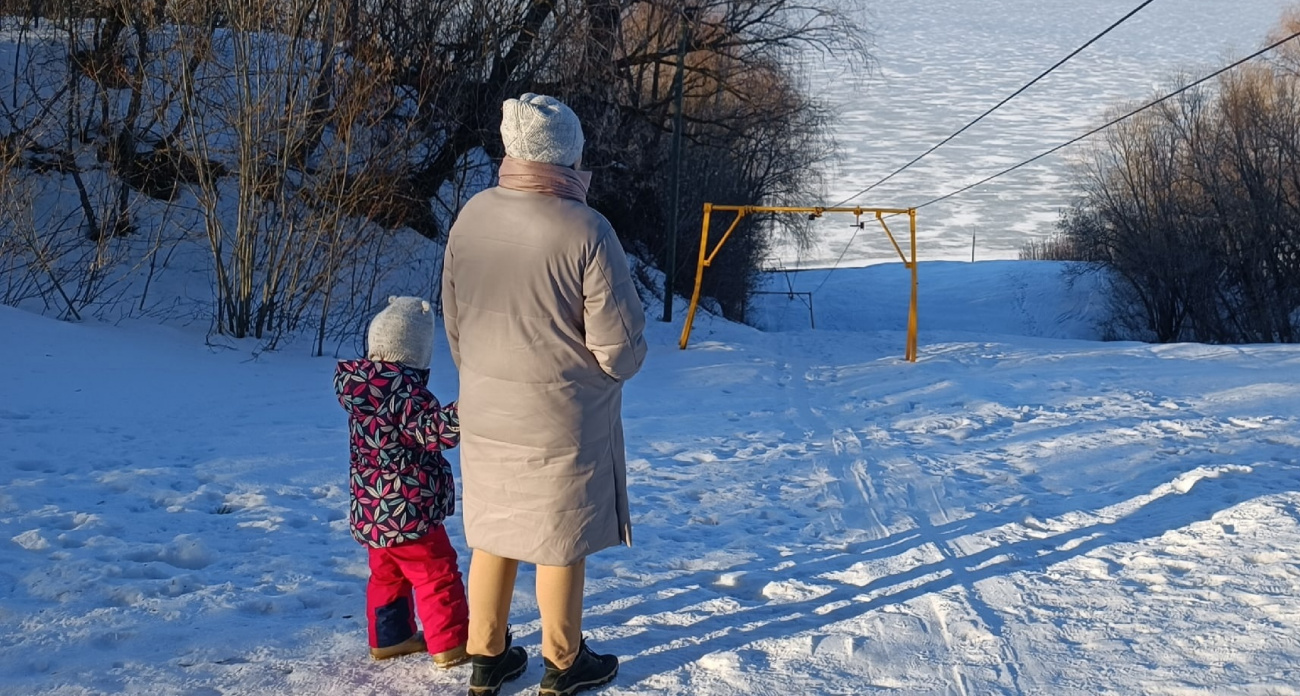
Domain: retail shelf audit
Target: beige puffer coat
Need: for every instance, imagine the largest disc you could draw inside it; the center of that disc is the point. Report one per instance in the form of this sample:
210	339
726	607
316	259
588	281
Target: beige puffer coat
545	325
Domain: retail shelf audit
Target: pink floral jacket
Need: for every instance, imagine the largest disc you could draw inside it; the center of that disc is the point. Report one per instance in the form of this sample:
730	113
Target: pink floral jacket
401	484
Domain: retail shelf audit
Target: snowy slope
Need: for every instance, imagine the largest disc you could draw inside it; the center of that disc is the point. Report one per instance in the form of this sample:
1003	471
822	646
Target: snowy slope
941	63
1015	298
1011	514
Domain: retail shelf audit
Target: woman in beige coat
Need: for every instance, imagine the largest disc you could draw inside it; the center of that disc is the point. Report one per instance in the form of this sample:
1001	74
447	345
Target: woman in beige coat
545	325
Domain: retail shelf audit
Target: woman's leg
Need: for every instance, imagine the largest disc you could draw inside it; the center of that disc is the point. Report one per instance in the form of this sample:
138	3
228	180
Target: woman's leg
491	585
559	599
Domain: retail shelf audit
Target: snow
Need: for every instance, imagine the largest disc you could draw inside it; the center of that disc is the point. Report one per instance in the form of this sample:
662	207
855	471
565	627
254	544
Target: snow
1020	511
941	63
1021	298
165	269
1026	509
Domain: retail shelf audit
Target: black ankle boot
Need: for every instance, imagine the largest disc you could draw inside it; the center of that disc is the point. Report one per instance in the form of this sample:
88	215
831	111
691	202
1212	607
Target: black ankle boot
491	672
588	671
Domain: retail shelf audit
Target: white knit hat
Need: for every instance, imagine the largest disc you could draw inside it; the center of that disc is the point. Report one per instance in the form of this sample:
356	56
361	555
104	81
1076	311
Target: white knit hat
539	128
402	332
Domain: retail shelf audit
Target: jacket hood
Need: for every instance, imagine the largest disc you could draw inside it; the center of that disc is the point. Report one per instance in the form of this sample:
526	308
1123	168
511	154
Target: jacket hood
383	381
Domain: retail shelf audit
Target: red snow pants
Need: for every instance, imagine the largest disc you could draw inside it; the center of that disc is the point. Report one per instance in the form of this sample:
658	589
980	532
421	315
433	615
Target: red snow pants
425	568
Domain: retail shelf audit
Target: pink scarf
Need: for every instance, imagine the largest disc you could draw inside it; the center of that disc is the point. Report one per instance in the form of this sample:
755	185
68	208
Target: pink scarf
550	179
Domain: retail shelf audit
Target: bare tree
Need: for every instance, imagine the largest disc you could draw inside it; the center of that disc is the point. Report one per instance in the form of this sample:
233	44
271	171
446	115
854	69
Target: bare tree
315	141
748	115
1194	207
292	140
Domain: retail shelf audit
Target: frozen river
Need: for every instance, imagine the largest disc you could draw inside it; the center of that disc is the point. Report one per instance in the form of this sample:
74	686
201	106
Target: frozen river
940	63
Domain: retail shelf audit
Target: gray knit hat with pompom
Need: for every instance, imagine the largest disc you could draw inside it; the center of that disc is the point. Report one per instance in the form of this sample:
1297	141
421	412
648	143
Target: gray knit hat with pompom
402	332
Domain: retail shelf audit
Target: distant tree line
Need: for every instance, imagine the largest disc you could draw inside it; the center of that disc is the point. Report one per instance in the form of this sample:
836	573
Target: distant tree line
1193	210
287	138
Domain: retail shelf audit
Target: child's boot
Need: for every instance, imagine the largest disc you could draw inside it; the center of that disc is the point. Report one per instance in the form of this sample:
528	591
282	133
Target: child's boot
451	658
414	644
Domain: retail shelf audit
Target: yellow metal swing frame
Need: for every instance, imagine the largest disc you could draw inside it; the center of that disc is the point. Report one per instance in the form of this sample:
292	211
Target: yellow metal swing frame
707	256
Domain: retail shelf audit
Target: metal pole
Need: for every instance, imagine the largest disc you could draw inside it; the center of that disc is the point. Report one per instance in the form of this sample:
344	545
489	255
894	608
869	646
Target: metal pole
699	277
670	272
911	313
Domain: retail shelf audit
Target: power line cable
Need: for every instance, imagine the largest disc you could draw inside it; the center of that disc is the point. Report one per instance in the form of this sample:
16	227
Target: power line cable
1094	131
839	259
1111	123
1002	103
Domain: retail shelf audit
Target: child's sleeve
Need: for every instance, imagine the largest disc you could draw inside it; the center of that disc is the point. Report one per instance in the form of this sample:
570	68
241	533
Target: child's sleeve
430	425
347	387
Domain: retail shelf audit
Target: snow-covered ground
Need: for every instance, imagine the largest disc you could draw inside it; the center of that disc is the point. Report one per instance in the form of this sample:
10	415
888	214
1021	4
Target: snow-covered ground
1015	513
1016	298
941	63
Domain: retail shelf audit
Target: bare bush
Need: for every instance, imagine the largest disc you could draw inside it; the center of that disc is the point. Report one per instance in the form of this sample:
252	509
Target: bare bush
1287	57
289	139
1194	208
1058	247
295	130
134	128
63	133
753	135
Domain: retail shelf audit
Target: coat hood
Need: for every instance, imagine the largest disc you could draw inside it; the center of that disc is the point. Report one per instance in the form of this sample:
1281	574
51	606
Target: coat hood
387	382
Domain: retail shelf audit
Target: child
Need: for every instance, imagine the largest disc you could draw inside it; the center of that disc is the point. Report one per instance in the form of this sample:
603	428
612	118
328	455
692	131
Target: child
402	488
